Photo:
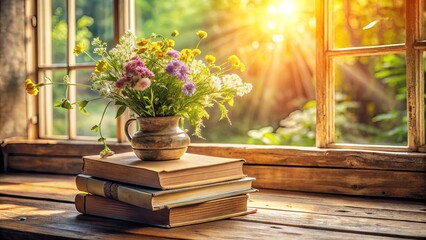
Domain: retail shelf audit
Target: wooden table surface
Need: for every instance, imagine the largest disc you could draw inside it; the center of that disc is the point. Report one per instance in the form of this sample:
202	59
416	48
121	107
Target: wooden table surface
40	206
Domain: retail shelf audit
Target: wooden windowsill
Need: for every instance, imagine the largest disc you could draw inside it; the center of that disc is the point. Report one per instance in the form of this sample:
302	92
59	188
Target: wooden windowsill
40	206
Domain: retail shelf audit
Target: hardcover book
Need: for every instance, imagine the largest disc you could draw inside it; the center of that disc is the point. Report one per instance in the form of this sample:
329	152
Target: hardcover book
190	170
180	216
155	199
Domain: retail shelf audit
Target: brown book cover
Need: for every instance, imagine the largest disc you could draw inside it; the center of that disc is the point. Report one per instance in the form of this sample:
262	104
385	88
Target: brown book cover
155	199
190	170
192	214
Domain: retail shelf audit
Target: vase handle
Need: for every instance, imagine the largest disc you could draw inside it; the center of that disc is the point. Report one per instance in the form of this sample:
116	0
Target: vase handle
126	128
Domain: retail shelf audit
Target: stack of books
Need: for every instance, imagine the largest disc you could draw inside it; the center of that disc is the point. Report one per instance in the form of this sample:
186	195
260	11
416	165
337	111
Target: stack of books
193	189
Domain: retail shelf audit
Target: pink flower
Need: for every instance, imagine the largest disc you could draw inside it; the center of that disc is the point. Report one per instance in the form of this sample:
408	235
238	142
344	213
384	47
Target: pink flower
136	75
121	82
142	84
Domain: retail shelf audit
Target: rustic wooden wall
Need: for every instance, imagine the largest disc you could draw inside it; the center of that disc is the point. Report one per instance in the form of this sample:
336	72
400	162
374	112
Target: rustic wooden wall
12	69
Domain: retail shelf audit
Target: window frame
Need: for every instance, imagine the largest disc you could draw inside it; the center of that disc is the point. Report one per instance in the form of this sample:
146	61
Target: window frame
123	21
325	82
325	129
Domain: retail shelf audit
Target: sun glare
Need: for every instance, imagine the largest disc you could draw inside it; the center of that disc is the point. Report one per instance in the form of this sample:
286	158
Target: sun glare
282	12
287	8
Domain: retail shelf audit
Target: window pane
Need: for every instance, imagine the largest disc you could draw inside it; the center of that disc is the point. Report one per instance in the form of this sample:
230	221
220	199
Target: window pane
371	100
55	120
94	110
93	19
275	40
52	34
368	22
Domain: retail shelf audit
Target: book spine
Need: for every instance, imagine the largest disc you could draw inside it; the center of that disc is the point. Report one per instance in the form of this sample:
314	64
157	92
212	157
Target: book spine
114	191
121	173
199	213
103	207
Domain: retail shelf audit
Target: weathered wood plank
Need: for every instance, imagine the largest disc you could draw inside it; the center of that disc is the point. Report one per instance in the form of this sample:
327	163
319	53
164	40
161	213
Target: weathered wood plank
315	157
59	187
66	148
368	226
42	186
289	203
340	181
63	181
41	218
45	164
323	208
281	197
41	192
263	155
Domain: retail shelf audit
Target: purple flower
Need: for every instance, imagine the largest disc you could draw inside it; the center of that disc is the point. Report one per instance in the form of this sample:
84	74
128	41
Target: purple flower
173	53
178	69
189	88
141	72
121	82
135	70
133	63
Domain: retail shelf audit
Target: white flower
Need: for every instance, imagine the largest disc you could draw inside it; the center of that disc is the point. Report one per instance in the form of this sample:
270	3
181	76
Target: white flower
215	83
96	42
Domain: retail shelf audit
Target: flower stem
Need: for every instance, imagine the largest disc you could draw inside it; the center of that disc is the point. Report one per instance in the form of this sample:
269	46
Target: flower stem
100	125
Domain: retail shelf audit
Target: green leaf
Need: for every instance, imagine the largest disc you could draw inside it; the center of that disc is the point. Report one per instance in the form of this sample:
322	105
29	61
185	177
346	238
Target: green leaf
82	106
64	103
386	116
231	102
95	128
101	139
120	111
310	104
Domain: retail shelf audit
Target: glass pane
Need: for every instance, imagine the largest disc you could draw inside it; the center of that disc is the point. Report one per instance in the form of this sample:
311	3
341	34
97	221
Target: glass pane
55	121
94	110
368	22
371	100
93	19
52	32
275	40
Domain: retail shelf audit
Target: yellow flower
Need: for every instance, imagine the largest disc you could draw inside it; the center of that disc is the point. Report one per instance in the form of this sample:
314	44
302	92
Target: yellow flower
233	59
236	63
156	49
142	50
242	67
159	44
101	66
210	59
160	54
170	43
175	33
31	87
143	42
202	34
79	48
196	52
186	54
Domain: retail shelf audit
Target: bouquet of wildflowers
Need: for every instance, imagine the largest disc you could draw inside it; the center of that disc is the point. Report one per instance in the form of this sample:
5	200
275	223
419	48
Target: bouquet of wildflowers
153	79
